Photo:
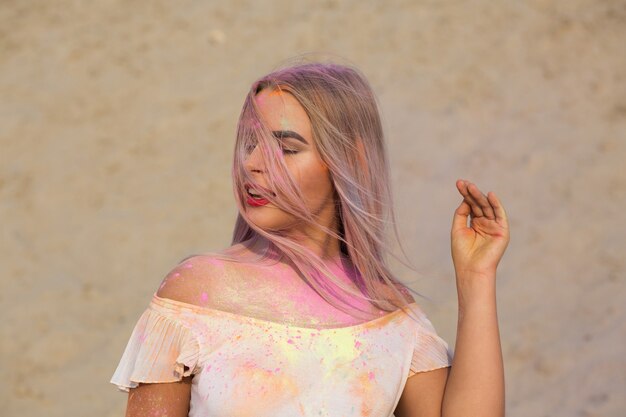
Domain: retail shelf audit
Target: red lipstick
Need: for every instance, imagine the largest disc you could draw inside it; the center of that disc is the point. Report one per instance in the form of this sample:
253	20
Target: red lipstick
257	201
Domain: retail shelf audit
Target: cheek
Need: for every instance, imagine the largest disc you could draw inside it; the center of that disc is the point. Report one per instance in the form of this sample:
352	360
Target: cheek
315	181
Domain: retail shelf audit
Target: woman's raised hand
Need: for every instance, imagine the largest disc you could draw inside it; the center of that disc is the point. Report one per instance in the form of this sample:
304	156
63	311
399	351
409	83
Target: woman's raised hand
477	249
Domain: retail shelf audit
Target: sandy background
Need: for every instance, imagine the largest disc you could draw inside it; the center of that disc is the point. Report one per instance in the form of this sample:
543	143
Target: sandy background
116	136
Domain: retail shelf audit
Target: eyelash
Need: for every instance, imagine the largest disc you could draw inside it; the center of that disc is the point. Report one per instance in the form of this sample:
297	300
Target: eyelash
289	151
284	150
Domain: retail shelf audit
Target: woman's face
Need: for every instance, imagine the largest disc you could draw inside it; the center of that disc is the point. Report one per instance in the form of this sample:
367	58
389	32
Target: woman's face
291	126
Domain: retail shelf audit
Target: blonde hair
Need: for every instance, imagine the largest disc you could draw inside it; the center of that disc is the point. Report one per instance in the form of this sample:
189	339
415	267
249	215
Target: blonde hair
348	135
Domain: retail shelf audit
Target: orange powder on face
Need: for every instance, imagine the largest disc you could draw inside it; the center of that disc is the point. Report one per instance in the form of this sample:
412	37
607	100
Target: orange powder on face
276	92
284	122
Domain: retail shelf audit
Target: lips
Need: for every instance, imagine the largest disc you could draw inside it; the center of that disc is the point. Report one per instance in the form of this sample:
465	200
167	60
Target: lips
257	187
256	202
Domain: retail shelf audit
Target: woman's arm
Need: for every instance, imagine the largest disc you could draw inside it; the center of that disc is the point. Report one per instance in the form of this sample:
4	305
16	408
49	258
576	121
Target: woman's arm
474	385
169	399
422	394
183	283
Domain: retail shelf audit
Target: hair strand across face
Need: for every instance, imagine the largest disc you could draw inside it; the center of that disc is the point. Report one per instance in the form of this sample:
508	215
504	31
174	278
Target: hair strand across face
348	135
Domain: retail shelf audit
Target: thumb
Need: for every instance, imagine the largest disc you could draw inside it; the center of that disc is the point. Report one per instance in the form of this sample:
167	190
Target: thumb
459	221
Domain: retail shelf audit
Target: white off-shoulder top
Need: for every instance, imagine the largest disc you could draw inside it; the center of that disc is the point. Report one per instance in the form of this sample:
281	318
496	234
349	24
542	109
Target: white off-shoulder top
245	366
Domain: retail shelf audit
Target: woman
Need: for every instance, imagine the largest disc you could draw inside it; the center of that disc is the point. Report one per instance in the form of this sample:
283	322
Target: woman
301	316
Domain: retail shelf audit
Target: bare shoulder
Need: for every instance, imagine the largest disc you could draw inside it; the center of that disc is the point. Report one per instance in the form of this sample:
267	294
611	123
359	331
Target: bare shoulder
193	279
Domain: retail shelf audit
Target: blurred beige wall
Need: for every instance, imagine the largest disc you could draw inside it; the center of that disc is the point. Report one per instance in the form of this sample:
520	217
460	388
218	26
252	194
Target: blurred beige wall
117	124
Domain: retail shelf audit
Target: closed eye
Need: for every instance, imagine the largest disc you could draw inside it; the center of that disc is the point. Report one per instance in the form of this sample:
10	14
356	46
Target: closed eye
289	151
250	148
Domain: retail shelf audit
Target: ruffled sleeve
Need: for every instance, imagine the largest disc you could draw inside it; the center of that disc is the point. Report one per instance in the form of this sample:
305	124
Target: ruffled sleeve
430	351
162	348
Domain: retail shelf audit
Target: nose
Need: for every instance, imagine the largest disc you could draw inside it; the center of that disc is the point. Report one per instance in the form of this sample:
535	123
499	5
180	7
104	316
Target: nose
253	160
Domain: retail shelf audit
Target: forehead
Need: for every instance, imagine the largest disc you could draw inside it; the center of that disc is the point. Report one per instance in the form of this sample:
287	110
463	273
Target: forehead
276	100
282	111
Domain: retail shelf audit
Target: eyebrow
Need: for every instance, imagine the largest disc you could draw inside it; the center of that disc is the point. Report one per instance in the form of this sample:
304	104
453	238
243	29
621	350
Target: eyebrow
279	134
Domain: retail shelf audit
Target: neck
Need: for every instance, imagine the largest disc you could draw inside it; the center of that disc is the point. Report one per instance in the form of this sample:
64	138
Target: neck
321	243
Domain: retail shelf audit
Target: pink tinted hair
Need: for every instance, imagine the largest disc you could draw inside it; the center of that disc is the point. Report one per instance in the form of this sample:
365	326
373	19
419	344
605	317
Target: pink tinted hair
348	136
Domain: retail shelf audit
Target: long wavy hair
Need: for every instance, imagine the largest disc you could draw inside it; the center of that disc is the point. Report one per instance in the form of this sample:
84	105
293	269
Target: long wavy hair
348	135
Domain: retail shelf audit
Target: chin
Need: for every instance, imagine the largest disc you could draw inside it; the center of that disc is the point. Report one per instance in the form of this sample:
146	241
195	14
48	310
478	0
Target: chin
270	224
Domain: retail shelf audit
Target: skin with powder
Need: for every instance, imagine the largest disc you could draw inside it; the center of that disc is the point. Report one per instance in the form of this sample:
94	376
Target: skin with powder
473	385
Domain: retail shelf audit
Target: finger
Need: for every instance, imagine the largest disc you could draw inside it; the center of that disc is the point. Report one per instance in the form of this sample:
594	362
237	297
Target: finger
462	185
481	200
459	220
500	214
